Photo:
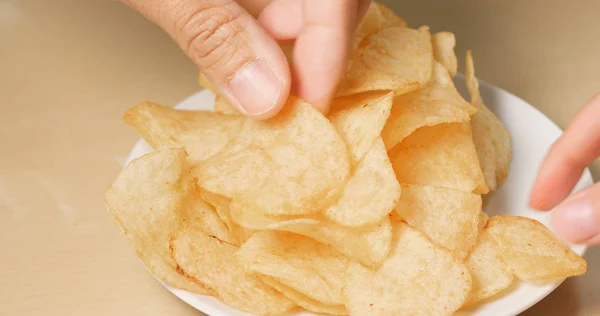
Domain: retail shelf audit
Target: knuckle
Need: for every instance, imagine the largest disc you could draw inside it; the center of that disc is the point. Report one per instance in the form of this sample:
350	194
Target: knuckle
215	36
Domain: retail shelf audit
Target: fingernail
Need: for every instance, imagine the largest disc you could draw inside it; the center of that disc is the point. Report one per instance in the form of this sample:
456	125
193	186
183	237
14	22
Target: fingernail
256	88
576	220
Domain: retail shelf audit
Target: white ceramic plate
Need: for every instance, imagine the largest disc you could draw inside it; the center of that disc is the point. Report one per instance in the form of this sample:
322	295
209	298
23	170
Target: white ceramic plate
532	134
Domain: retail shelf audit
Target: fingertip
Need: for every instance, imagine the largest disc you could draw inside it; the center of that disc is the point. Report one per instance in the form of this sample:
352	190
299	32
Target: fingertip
577	219
282	19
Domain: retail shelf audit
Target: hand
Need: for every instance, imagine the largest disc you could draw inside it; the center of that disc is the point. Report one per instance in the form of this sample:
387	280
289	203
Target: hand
577	218
241	56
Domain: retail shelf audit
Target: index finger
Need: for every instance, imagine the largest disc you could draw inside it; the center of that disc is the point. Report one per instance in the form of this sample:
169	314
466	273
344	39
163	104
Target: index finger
323	47
570	155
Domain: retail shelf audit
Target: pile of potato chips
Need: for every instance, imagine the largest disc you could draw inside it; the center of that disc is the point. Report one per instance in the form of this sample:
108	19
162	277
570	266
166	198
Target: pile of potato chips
374	209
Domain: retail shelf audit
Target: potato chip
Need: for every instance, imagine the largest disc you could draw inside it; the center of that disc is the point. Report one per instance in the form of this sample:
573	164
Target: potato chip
439	102
443	51
377	18
311	268
294	163
359	120
442	155
238	233
371	193
368	245
490	136
206	83
223	106
211	261
395	59
144	202
531	251
202	133
449	218
303	300
489	272
203	216
419	278
483	219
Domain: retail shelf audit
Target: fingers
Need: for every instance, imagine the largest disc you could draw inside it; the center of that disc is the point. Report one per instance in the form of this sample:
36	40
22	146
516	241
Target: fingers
283	19
577	219
323	32
569	156
230	48
322	49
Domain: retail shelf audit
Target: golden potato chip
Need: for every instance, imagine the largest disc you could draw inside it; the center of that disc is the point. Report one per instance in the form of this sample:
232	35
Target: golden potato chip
202	133
144	203
359	120
483	219
531	251
490	136
368	245
489	272
443	51
442	155
203	216
418	278
371	192
311	268
210	261
294	163
238	233
206	84
303	300
377	18
439	102
223	106
395	59
449	218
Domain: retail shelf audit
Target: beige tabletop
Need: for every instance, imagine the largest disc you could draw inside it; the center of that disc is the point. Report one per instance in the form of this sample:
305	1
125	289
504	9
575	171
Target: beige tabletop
69	68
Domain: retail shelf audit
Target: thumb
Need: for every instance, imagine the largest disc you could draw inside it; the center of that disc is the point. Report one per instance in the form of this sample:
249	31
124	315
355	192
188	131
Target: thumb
577	219
230	47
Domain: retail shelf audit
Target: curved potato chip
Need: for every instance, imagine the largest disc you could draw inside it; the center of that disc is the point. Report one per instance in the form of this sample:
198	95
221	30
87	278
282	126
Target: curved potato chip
294	163
202	133
449	218
144	202
418	278
206	84
439	102
531	251
359	120
490	136
371	192
303	300
223	106
442	155
221	204
200	215
396	59
368	245
303	264
213	262
377	18
443	51
489	272
483	219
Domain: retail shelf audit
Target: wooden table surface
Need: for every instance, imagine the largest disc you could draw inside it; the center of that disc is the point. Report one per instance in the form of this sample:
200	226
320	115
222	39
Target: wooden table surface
69	68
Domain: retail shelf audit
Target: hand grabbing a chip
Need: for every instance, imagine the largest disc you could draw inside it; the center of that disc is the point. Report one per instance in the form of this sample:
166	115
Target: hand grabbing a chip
241	56
374	208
